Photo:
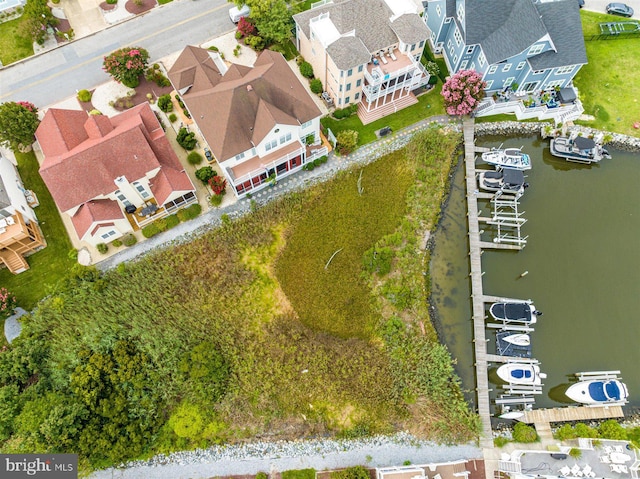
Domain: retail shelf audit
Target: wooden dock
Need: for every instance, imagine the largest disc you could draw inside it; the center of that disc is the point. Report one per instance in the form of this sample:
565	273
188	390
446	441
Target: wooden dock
479	338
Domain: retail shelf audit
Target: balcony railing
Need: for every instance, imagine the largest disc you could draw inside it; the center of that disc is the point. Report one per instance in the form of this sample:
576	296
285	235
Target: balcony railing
267	167
414	76
378	75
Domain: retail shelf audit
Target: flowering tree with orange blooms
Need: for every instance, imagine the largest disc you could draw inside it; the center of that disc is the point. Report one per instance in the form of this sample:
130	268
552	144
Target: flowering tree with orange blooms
126	65
462	92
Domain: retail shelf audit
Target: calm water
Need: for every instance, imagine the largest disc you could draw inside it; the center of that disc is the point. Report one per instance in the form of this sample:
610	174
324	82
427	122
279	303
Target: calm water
583	263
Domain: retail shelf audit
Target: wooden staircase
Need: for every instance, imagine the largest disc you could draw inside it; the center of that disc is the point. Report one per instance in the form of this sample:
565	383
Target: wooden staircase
370	116
12	260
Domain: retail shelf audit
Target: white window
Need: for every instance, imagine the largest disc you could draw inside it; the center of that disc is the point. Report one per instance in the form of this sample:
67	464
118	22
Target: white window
457	36
346	100
461	12
358	82
535	49
452	50
306	125
272	144
360	68
108	234
449	43
348	86
489	85
141	189
357	96
433	36
538	72
492	69
564	70
509	81
473	66
555	83
438	10
421	44
507	67
463	65
481	59
350	72
123	199
521	65
240	156
470	50
455	59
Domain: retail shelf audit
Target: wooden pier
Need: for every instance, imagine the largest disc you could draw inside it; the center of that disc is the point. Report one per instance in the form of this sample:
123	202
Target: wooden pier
479	338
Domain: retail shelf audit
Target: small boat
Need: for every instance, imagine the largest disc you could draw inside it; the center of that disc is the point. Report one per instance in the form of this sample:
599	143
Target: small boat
508	158
521	373
595	392
518	339
507	180
515	312
579	149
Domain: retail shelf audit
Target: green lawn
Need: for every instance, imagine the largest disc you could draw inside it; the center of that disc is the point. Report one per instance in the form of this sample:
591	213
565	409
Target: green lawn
429	104
606	84
51	264
13	45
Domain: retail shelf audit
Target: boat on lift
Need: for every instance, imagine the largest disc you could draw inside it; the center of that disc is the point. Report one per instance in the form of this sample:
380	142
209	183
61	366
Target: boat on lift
507	180
518	339
578	149
521	373
598	388
516	312
507	158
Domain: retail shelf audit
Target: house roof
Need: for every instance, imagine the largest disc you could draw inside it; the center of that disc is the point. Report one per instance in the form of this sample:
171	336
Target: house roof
347	52
131	144
502	31
371	21
562	19
241	107
169	181
97	211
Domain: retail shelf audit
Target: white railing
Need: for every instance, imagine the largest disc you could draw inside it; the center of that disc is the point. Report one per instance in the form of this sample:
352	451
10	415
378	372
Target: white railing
378	77
267	167
417	77
317	153
560	113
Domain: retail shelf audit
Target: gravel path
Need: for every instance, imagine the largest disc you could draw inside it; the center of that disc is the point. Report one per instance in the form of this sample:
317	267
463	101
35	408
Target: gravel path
211	219
284	455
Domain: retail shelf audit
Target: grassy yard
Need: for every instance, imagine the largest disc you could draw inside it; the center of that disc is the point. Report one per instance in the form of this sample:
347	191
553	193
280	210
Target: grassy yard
52	263
13	45
607	87
429	104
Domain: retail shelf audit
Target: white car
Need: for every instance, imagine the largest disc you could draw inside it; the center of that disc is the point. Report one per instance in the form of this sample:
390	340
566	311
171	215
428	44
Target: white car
235	13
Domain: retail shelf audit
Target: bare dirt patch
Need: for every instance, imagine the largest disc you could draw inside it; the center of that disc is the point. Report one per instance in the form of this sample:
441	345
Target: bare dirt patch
142	6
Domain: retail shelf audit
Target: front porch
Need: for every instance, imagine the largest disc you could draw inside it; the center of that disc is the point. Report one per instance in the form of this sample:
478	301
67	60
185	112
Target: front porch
543	105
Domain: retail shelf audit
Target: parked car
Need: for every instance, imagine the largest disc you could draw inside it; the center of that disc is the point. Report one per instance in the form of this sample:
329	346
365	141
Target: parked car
581	3
208	154
235	13
620	9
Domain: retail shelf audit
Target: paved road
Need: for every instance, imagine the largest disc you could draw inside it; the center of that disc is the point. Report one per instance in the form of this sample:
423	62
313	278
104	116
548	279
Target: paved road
57	74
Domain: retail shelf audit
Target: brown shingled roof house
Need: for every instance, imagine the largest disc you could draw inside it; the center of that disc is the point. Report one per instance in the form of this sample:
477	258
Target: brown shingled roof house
111	175
259	121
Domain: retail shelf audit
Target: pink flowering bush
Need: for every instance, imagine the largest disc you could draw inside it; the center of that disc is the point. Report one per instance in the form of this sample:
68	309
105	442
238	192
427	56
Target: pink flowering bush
7	303
27	105
126	65
462	92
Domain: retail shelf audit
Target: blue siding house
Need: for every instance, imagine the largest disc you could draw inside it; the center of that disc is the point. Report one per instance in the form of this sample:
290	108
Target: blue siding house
522	48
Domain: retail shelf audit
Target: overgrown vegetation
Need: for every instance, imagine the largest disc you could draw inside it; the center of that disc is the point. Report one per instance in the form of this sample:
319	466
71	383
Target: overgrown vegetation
610	429
250	328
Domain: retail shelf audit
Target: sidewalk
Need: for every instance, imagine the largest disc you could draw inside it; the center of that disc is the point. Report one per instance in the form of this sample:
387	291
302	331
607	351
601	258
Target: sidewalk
300	180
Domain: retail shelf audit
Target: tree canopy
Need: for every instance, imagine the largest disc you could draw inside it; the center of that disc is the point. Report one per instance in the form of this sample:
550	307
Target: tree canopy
462	92
272	18
126	65
18	124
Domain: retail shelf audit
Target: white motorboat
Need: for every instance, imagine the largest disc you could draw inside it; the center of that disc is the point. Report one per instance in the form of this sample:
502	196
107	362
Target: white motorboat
521	373
518	339
507	158
580	149
597	391
507	180
516	312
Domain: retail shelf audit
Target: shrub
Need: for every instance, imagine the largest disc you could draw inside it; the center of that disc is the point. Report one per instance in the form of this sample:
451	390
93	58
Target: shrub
575	453
246	27
612	429
129	240
215	200
150	230
116	243
189	212
126	65
213	48
306	70
72	254
524	433
84	95
161	224
500	441
205	173
256	42
323	159
173	117
308	166
112	2
165	104
102	248
347	141
7	303
171	221
262	475
238	35
194	158
218	184
316	86
186	113
356	472
186	139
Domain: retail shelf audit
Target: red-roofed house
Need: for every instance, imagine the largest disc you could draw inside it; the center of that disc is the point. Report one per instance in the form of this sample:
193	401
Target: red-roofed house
111	175
259	121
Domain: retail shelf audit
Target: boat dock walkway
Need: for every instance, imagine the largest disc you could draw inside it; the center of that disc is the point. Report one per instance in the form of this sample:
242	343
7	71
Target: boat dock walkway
475	252
542	418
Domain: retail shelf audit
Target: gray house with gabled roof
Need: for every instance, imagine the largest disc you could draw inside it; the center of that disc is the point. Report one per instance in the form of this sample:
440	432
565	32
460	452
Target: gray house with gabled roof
517	45
365	52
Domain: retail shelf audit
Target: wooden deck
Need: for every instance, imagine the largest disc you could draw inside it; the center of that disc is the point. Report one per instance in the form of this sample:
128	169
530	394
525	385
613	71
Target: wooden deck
571	413
479	338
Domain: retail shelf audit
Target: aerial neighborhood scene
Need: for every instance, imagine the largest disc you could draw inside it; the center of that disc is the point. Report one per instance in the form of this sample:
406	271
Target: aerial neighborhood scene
341	239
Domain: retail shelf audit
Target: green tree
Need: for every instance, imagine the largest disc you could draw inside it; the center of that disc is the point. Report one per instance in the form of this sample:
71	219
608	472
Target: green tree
10	405
612	429
18	124
38	18
356	472
186	139
272	18
205	173
165	104
206	370
347	141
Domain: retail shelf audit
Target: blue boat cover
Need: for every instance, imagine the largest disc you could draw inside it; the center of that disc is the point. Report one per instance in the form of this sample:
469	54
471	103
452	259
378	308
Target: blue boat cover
521	373
596	391
613	391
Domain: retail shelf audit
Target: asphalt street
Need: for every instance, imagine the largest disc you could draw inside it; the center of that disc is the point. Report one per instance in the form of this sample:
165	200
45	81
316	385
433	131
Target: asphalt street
57	74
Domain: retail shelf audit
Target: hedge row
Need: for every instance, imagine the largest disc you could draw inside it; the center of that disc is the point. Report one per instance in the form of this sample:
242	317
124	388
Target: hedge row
171	221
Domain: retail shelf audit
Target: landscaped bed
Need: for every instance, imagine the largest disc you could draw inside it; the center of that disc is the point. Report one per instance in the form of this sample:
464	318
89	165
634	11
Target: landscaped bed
255	328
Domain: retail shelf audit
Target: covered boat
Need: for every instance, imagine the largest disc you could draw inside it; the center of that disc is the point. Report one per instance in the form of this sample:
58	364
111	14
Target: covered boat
521	373
507	180
580	149
519	339
515	312
508	158
595	392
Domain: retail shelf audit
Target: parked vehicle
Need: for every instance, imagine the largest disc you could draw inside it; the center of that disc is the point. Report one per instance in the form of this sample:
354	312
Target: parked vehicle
621	9
235	13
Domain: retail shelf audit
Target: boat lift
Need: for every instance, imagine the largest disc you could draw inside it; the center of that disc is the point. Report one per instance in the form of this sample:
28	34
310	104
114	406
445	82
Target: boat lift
597	375
507	219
